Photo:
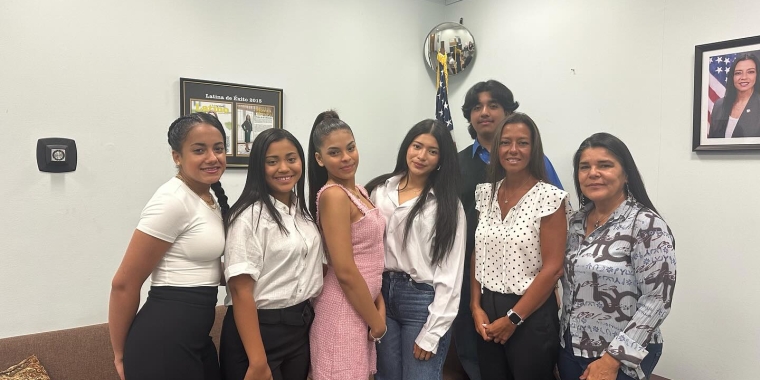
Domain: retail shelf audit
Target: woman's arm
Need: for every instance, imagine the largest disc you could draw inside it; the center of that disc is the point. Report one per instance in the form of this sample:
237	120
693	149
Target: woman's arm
478	314
142	255
335	217
653	258
553	237
247	323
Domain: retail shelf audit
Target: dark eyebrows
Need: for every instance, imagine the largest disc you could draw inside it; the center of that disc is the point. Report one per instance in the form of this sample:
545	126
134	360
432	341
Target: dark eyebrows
426	146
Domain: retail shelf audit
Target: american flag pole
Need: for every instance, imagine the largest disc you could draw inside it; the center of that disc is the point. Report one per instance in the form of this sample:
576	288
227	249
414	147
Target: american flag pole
442	109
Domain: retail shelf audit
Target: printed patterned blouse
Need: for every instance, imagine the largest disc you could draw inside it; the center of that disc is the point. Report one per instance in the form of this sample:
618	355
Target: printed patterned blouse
618	284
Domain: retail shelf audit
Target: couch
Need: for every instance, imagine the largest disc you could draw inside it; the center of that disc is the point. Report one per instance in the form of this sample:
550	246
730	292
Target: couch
82	353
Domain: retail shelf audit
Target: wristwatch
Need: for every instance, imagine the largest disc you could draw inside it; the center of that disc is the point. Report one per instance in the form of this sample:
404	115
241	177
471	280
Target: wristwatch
514	317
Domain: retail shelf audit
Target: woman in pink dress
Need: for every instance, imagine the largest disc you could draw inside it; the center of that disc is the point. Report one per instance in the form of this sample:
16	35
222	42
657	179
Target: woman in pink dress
349	314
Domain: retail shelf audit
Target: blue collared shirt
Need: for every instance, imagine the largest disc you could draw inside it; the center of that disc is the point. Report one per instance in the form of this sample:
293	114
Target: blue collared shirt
484	155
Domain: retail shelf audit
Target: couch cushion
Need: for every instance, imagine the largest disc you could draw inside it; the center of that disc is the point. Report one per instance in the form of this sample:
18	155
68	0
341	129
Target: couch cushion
81	353
28	369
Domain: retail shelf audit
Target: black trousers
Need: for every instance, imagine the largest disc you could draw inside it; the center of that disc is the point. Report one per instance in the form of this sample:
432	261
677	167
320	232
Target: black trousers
285	334
169	337
531	351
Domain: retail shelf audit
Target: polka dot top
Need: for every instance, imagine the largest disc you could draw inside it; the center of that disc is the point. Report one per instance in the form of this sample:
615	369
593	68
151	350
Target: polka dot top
508	251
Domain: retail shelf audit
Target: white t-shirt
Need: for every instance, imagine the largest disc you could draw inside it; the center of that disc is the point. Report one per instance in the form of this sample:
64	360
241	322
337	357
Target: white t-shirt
287	268
414	258
179	216
508	251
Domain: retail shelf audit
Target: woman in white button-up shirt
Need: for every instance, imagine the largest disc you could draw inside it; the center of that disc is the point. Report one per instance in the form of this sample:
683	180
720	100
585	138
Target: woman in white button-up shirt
518	258
273	266
424	253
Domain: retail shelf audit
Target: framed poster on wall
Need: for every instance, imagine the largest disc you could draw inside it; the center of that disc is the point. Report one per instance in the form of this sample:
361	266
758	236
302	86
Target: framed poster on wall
727	95
245	111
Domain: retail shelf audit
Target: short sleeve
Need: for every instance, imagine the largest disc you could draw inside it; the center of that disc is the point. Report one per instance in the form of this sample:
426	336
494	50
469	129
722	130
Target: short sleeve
243	253
550	198
164	217
482	197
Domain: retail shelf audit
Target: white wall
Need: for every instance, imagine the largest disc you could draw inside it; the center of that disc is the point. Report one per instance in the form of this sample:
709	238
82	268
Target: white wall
633	67
107	75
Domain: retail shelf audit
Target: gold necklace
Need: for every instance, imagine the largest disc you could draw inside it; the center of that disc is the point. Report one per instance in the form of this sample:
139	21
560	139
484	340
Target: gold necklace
598	220
506	196
209	202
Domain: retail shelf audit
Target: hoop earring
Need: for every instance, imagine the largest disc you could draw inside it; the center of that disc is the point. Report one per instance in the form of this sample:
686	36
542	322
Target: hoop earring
439	168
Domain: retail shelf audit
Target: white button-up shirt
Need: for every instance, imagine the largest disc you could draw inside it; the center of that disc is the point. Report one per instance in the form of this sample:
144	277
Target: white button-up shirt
415	258
287	268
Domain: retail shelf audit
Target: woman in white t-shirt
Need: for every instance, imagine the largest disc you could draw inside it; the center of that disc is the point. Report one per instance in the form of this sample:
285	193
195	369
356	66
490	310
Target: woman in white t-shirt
424	253
178	242
273	266
518	258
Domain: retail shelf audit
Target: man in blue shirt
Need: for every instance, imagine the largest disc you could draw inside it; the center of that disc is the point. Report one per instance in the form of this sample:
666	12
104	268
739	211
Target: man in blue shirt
485	105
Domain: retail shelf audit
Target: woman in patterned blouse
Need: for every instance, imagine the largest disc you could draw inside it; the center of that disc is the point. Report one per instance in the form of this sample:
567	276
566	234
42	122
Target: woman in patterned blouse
620	269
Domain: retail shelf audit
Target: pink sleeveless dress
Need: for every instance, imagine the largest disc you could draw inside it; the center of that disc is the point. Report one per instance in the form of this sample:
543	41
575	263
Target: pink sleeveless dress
338	338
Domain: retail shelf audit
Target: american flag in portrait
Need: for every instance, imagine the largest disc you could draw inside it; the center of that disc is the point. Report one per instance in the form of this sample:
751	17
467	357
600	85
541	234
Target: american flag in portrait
442	109
719	67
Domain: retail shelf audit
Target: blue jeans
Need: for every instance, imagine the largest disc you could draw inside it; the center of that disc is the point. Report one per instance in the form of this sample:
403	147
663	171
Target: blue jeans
406	304
571	367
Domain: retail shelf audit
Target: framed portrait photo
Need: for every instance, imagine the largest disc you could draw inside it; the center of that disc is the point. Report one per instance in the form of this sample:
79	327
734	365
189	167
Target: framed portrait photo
244	111
727	95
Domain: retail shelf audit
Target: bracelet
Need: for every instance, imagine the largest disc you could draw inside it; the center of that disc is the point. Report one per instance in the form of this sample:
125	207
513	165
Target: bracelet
377	340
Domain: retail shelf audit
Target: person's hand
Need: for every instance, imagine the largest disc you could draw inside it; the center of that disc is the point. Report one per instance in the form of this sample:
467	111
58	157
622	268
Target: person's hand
119	363
421	354
500	330
258	371
604	368
481	320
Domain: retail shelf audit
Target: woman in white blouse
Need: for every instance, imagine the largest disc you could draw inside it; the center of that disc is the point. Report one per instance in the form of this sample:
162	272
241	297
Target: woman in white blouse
273	266
424	253
178	242
518	257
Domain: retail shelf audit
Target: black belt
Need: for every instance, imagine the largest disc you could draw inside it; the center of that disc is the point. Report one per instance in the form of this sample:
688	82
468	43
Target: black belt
297	315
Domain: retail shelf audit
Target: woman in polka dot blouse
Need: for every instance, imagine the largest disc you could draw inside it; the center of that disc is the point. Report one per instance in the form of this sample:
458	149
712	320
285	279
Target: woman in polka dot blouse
518	258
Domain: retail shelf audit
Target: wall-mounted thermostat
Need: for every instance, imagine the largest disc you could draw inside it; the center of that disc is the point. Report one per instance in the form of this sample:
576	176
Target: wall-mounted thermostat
56	155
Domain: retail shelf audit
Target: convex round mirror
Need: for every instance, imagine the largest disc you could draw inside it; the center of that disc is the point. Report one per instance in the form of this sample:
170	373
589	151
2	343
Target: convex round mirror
455	42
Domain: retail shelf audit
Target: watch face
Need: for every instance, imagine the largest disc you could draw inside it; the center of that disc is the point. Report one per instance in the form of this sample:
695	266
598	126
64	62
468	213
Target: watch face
515	318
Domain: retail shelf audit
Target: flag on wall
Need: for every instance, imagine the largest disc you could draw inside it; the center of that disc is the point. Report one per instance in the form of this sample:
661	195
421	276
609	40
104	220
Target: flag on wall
719	67
442	111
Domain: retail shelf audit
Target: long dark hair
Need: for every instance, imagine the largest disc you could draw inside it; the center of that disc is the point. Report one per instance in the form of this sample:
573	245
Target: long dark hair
256	189
444	182
325	123
177	134
618	149
536	166
730	87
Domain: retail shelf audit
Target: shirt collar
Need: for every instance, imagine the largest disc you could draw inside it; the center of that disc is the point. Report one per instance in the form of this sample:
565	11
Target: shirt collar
282	207
475	146
620	212
391	184
482	152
